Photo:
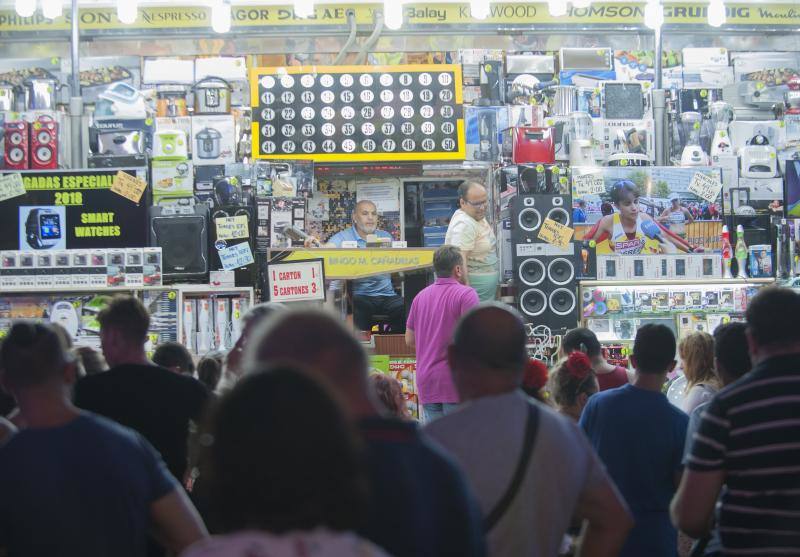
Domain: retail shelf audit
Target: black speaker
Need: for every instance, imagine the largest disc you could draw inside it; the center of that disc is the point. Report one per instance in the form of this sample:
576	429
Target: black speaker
182	234
546	276
244	276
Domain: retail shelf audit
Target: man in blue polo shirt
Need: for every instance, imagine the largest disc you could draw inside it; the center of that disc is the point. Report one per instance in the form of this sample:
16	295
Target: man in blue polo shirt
374	295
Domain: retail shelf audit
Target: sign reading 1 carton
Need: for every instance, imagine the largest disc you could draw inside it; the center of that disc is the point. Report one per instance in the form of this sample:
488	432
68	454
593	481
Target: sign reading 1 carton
358	113
296	281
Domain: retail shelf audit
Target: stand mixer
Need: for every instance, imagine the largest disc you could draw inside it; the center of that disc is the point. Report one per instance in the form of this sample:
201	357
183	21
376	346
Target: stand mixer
692	154
721	114
581	151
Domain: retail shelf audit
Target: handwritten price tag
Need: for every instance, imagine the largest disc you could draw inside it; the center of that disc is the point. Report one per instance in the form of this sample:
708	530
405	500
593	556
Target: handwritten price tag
232	228
555	233
588	184
236	256
128	186
704	186
11	186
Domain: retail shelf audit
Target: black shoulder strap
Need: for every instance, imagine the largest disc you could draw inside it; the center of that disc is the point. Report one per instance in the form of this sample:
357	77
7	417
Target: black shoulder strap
505	501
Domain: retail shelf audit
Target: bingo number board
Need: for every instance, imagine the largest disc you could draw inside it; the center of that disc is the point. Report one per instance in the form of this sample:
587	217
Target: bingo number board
358	113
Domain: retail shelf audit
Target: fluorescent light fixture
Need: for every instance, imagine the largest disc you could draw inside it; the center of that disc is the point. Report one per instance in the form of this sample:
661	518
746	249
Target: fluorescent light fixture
52	9
25	8
303	8
581	4
716	13
393	14
221	16
557	8
654	14
479	9
127	11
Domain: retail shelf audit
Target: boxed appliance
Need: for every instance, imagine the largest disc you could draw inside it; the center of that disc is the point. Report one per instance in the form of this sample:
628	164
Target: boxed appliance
134	261
115	271
172	178
44	271
98	272
213	139
151	269
481	123
754	196
182	123
529	145
624	136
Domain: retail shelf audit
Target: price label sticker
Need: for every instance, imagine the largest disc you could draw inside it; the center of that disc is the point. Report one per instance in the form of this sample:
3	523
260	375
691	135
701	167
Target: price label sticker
11	186
232	228
128	186
588	184
555	233
707	187
233	257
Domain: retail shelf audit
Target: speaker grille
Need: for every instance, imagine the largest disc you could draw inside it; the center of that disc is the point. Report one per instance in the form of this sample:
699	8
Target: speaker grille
183	241
562	301
560	215
532	272
530	219
533	302
560	271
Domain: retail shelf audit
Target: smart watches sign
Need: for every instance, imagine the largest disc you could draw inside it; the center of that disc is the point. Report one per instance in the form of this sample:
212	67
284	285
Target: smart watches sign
358	113
67	209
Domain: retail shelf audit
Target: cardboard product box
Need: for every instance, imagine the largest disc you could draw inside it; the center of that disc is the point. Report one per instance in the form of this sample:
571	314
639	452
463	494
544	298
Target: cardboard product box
80	268
755	196
134	262
482	132
62	269
181	123
9	270
213	139
152	267
98	274
639	136
172	179
44	270
115	269
27	270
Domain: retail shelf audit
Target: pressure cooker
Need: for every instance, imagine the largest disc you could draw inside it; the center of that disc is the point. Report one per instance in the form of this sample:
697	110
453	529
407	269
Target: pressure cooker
208	143
212	95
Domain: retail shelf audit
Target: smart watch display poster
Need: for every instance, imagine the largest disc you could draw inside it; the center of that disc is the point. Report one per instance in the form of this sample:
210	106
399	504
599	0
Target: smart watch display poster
73	209
358	113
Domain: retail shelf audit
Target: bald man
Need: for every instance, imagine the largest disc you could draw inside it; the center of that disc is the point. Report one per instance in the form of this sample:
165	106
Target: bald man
374	295
499	433
419	502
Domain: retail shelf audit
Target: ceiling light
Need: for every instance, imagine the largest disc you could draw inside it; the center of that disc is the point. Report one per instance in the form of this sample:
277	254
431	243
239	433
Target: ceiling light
557	8
393	14
221	16
654	14
581	4
127	11
716	13
479	9
25	8
52	9
303	8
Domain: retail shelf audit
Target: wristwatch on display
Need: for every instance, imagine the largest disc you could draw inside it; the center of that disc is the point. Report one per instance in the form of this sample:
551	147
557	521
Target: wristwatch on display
43	228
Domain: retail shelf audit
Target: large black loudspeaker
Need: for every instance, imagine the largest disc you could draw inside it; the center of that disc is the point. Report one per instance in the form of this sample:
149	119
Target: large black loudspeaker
182	234
244	276
545	275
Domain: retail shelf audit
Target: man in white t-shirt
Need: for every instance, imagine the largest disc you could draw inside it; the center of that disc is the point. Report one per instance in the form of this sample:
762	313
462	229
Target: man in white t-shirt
473	235
499	434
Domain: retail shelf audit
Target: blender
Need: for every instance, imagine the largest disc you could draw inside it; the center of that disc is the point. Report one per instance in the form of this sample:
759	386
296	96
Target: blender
581	151
721	114
692	154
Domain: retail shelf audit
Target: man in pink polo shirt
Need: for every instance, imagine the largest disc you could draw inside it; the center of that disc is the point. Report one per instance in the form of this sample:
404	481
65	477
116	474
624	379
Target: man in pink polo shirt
429	329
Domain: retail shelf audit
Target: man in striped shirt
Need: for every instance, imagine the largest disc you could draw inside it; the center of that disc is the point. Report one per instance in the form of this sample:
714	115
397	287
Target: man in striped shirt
749	441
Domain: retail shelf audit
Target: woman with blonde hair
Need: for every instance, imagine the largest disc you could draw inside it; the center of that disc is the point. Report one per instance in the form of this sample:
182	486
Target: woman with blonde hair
697	355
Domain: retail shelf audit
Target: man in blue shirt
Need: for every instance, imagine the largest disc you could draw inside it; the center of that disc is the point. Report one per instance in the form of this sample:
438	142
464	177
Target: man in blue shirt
373	295
639	436
74	483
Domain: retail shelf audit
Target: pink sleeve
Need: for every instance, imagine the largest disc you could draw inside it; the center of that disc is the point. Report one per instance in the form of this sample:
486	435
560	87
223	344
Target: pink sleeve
469	300
410	318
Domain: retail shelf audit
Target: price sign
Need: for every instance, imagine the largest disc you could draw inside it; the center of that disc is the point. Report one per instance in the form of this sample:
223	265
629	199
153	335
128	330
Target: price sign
707	187
296	281
11	186
233	257
588	184
555	233
232	228
128	186
358	113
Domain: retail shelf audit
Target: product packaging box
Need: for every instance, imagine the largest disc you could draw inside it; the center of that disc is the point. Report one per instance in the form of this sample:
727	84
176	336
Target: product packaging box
213	139
9	271
151	269
62	269
27	269
80	268
761	261
134	261
115	271
182	123
172	179
44	270
98	275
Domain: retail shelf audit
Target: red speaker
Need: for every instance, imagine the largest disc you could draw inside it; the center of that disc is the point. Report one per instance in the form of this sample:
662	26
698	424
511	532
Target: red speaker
44	143
16	145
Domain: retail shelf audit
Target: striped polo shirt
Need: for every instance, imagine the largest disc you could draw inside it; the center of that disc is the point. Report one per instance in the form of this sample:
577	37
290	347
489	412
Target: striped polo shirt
751	431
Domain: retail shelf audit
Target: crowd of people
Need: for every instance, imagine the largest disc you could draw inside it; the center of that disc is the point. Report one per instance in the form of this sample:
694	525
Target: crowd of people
287	446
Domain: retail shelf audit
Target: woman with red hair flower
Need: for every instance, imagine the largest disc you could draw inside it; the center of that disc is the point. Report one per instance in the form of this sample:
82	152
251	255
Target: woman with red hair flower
572	382
535	379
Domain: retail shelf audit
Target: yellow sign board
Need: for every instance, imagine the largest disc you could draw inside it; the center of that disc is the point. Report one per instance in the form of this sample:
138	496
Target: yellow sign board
232	228
555	233
363	263
517	14
128	186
